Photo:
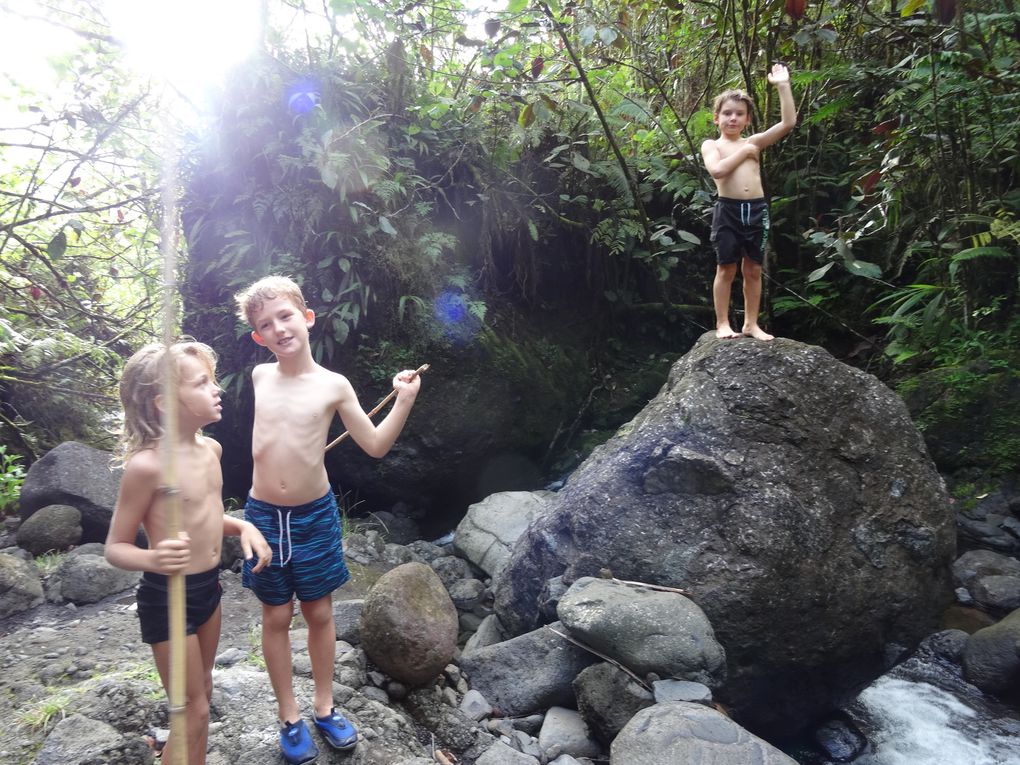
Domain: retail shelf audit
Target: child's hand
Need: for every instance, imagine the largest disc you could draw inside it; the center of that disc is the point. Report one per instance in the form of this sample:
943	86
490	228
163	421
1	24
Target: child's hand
173	555
254	544
406	384
779	74
753	151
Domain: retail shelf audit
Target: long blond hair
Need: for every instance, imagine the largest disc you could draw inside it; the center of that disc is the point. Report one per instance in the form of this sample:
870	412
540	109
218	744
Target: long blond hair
140	383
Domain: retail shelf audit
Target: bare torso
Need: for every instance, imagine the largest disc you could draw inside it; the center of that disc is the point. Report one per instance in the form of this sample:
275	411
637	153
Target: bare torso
292	418
201	485
745	181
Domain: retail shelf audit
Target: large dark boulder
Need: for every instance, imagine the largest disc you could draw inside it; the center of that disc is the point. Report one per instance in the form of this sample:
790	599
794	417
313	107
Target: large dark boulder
76	475
788	494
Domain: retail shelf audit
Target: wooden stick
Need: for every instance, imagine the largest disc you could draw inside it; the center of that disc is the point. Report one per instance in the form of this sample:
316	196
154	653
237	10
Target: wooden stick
176	685
659	587
601	655
375	411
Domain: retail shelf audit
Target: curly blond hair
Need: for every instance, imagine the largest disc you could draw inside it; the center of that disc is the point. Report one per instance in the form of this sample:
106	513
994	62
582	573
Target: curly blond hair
140	383
250	300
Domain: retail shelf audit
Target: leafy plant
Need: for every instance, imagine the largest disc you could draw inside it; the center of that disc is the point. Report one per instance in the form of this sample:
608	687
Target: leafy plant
12	475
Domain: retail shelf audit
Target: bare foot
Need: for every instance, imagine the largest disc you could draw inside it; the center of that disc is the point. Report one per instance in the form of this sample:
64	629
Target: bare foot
725	332
758	333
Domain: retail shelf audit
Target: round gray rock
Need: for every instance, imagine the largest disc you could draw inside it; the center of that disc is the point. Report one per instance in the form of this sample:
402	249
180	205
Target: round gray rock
54	527
646	630
682	732
409	624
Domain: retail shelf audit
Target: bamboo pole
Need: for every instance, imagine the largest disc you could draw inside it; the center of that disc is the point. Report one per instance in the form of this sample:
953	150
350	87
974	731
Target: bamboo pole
375	411
176	690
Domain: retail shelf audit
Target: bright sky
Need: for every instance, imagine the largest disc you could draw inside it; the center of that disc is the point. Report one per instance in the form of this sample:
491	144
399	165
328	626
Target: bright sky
189	43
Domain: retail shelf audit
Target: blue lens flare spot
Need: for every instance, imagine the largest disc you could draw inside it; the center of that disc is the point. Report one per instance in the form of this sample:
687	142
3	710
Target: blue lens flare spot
451	308
303	96
452	311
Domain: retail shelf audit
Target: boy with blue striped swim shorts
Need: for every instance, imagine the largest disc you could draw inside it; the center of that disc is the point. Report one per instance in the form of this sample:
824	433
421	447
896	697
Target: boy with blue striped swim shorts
292	503
307	544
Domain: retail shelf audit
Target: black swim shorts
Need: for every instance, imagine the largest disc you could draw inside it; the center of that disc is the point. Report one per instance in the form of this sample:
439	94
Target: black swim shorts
740	227
202	595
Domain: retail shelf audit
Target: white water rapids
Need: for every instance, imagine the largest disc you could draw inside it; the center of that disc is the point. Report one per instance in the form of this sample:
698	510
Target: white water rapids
917	723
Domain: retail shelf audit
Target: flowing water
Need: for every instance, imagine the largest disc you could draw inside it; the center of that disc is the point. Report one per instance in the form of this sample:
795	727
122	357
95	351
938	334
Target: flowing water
922	712
918	723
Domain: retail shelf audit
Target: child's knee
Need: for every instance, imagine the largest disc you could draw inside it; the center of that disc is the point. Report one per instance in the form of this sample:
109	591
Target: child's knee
277	618
726	271
198	708
317	612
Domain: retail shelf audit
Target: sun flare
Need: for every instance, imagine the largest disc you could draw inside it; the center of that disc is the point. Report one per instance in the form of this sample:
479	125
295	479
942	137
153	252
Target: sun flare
189	43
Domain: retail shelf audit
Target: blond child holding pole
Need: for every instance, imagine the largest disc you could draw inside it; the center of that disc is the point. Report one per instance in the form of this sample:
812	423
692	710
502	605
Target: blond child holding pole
195	551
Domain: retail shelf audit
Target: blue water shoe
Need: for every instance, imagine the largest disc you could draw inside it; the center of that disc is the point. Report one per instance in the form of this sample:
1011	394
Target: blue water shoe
337	730
296	743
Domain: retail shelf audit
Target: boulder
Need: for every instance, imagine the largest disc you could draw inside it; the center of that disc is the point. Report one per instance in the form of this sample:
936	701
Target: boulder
54	527
991	658
409	624
489	529
20	585
564	732
527	673
680	732
77	475
789	494
503	754
648	631
999	594
607	698
977	563
82	578
77	738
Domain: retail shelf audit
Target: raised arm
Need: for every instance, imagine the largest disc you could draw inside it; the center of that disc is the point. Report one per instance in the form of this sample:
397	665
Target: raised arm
780	77
377	440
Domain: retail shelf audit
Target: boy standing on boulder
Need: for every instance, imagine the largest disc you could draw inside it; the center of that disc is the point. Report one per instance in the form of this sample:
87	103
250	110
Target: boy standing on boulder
292	504
740	221
195	551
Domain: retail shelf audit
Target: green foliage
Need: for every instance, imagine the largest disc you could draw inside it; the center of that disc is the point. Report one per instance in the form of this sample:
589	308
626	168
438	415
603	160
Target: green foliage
547	159
12	475
78	221
47	563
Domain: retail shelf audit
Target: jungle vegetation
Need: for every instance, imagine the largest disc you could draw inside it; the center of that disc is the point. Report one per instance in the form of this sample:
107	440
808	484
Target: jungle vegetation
422	167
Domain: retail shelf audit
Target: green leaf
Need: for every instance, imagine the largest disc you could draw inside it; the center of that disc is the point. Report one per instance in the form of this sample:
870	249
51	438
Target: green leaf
580	162
910	7
329	176
533	230
527	116
863	268
57	245
974	252
386	226
818	273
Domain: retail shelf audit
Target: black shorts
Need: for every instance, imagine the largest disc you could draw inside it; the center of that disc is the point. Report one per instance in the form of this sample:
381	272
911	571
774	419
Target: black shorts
740	227
202	595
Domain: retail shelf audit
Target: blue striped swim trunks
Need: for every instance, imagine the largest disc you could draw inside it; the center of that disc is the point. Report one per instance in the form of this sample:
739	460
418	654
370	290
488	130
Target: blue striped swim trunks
307	544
